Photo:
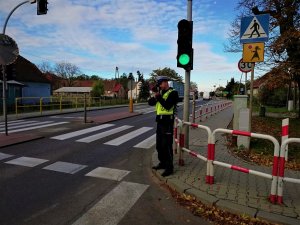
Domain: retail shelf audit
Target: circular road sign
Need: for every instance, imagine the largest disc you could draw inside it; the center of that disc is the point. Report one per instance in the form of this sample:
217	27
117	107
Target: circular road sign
9	50
244	67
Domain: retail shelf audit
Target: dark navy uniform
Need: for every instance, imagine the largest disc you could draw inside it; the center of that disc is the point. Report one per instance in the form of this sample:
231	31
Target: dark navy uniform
165	103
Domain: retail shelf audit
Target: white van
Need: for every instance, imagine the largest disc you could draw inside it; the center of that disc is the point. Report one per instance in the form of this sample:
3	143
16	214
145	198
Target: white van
206	96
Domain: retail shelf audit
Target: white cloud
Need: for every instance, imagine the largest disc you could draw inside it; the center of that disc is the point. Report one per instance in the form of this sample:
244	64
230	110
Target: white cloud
133	35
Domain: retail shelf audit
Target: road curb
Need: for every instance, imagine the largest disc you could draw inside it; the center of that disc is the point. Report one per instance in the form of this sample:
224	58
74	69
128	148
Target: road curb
276	218
236	208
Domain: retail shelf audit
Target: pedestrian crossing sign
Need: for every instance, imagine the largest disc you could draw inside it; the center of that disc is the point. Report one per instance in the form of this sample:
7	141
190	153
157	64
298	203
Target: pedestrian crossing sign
255	29
253	52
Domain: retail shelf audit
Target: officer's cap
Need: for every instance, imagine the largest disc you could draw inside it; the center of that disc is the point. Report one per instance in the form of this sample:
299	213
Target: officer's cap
160	79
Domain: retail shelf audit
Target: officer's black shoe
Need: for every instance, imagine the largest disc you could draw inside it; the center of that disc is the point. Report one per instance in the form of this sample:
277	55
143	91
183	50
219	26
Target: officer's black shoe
167	173
159	167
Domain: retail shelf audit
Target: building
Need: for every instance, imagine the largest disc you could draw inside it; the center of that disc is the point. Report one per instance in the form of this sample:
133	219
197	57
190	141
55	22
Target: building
72	92
25	81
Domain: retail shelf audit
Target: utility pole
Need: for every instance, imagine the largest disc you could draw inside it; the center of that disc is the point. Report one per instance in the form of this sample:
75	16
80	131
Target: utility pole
186	110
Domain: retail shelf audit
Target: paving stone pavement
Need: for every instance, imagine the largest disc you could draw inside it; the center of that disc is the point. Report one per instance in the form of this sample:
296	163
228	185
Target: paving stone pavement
233	191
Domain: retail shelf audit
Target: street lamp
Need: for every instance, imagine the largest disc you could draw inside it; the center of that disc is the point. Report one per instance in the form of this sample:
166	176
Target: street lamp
4	85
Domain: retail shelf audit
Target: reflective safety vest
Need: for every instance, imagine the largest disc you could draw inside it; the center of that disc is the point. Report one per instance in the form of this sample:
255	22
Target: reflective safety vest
160	110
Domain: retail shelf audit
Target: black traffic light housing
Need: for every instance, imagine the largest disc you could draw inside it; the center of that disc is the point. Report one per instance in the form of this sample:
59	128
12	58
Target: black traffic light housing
42	7
10	72
185	45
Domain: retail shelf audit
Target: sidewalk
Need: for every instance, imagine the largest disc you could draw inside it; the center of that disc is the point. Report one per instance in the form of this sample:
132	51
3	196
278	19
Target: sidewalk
232	191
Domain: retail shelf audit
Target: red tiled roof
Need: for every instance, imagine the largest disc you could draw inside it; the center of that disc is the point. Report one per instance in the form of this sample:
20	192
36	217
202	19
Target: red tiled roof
84	83
117	87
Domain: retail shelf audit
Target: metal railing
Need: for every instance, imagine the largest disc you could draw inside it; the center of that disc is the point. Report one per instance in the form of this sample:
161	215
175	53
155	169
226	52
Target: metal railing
41	104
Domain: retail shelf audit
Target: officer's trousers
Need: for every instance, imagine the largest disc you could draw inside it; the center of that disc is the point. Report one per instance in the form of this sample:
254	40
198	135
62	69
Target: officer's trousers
164	142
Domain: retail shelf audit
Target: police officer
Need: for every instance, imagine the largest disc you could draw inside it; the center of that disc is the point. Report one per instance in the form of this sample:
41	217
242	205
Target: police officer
165	100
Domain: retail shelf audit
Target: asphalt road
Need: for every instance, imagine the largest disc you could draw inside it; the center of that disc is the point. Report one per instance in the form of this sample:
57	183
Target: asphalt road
86	174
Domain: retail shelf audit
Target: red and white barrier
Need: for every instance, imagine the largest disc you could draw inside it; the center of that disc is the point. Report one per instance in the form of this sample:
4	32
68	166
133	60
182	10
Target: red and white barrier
285	134
209	109
281	178
180	141
273	177
277	177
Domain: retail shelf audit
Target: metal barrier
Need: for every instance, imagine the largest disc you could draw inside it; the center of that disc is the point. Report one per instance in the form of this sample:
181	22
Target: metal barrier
209	109
273	177
180	142
279	157
281	178
285	134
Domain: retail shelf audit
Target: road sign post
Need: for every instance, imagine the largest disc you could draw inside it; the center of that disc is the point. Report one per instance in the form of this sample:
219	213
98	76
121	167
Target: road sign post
254	32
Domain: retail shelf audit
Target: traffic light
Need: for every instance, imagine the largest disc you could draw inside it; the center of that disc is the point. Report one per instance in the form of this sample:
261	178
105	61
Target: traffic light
185	45
42	7
11	72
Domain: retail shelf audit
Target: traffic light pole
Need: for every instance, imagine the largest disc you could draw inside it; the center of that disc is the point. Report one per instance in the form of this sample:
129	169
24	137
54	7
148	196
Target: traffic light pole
4	81
186	103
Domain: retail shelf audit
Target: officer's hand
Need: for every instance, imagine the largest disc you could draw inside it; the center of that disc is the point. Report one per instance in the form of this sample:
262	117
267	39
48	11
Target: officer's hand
157	95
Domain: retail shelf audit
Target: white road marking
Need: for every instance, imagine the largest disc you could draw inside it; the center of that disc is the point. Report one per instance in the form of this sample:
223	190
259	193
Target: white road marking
33	123
4	156
65	167
16	122
80	132
26	161
108	173
147	143
103	134
113	206
127	137
36	127
11	121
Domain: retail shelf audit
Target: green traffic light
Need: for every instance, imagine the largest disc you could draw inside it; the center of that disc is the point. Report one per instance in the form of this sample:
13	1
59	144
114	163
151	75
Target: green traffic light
184	59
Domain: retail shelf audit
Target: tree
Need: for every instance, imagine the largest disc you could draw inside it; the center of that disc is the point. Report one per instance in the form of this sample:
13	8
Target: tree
83	77
165	72
67	71
45	67
144	91
123	80
98	88
140	76
95	77
282	51
232	88
193	86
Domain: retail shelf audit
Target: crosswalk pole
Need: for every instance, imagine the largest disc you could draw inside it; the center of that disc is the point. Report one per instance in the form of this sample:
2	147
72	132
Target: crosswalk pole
84	107
4	86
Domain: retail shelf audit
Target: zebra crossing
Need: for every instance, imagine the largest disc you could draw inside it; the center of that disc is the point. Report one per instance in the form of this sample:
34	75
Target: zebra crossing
64	167
25	125
112	130
108	210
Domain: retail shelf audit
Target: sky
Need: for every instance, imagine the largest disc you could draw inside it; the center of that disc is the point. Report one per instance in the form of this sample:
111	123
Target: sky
133	35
